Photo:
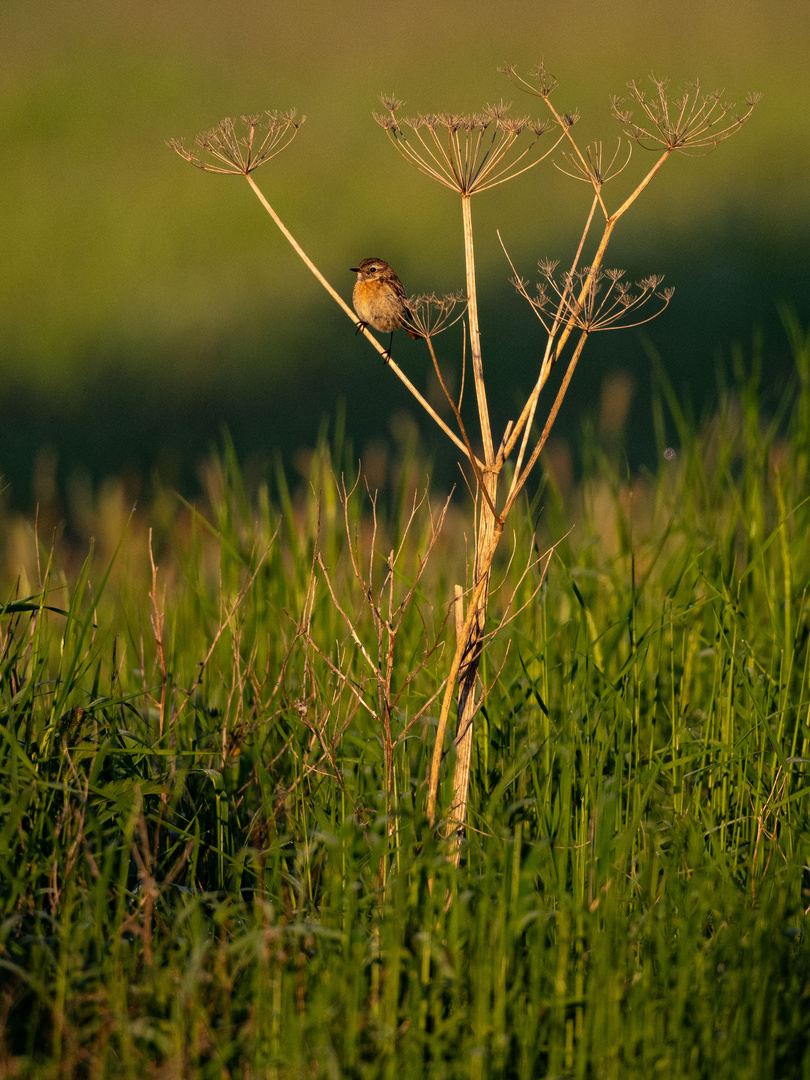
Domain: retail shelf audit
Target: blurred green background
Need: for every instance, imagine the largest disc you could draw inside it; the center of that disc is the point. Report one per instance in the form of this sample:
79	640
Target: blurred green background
145	305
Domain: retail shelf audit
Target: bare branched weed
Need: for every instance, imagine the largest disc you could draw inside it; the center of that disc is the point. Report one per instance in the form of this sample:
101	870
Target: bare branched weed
470	154
362	666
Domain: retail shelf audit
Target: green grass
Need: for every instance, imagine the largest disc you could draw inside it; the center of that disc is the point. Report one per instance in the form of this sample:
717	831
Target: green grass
231	898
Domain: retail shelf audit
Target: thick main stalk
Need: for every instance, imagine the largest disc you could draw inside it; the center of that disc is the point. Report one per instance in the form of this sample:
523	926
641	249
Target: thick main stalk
489	532
475	337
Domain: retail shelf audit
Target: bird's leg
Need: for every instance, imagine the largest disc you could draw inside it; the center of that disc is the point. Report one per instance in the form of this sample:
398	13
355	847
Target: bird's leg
387	353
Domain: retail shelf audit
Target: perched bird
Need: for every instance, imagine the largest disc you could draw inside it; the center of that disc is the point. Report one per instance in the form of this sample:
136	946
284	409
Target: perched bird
380	300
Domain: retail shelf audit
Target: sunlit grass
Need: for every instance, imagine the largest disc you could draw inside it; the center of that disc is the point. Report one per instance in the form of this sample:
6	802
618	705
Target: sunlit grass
197	873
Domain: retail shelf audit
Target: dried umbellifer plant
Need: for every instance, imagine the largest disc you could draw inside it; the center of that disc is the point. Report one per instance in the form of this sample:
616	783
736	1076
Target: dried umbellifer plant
470	154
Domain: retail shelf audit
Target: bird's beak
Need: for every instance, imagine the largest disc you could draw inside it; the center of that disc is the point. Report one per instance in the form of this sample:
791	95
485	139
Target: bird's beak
354	269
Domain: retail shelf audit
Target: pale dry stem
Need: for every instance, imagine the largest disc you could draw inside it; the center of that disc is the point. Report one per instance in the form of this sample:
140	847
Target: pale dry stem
225	622
400	374
386	625
476	464
156	618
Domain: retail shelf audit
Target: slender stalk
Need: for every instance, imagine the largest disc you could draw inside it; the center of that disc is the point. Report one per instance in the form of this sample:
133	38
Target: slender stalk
531	403
545	366
631	198
519	481
527	415
476	464
353	316
469	647
490	527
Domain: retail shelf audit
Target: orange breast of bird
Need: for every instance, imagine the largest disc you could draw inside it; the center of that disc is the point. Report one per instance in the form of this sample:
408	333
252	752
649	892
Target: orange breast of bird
378	305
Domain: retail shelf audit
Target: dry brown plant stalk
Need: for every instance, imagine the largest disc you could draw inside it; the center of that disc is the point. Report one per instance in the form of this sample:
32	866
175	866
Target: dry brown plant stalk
362	664
470	154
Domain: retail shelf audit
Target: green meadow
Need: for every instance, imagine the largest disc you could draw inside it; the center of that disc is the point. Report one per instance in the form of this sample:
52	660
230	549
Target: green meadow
207	870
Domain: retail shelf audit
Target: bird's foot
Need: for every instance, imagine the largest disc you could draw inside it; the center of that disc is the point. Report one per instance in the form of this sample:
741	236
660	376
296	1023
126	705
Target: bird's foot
360	327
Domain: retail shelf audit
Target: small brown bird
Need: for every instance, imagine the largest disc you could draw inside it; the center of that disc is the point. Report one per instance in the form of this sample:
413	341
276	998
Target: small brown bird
380	300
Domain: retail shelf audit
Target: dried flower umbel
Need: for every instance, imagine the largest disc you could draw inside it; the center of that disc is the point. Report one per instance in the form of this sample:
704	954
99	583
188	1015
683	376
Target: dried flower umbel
466	153
693	122
239	147
592	168
607	302
432	314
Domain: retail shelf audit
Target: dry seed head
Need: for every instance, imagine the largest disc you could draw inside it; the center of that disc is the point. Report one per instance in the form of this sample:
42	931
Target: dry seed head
624	115
498	112
391	103
691	123
431	314
541	294
516	127
591	167
542	82
467	153
239	148
592	299
545	80
475	122
388	123
651	282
